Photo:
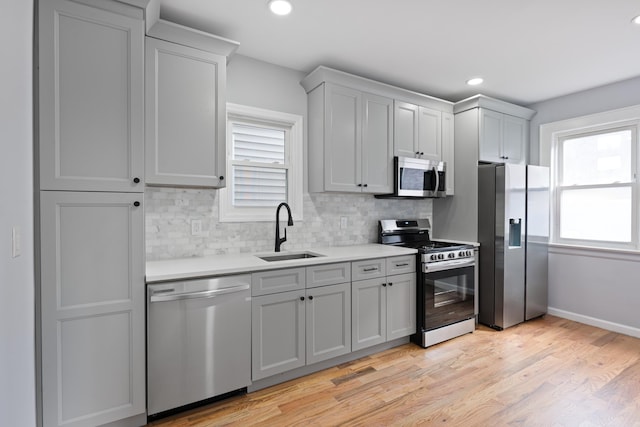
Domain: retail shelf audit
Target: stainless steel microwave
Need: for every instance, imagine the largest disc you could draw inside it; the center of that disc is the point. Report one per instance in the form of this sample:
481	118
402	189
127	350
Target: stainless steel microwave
419	177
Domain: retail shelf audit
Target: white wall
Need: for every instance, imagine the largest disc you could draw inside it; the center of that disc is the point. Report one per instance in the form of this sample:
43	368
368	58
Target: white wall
594	287
17	375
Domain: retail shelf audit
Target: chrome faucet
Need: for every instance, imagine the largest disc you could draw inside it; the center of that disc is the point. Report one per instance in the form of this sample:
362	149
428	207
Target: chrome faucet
280	241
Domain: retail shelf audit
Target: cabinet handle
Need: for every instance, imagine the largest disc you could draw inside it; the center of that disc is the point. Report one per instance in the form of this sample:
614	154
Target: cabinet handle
390	284
402	265
136	180
221	178
310	297
136	204
301	298
422	153
417	153
384	285
371	269
365	185
359	185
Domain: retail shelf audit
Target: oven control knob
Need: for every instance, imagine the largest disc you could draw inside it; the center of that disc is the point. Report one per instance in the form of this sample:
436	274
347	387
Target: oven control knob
434	257
469	253
440	256
451	255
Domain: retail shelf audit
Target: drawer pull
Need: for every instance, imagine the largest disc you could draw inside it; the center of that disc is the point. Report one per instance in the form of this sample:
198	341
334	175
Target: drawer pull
371	269
402	265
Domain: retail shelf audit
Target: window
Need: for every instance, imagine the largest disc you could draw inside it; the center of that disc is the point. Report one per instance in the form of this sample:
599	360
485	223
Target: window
264	164
595	190
594	167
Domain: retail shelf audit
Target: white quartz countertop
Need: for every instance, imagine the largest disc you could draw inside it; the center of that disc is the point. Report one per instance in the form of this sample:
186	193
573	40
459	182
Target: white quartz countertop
188	268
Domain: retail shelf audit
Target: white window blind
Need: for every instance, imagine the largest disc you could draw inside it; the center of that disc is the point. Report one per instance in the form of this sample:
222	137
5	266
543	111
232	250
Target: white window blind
264	160
264	185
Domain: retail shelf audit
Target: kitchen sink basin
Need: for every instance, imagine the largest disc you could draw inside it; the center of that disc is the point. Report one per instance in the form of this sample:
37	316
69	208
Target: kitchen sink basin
289	256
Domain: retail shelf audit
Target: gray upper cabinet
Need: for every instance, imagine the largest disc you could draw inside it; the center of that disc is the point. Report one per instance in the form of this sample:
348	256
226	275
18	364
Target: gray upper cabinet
503	138
92	307
417	131
185	115
350	141
496	130
91	100
357	125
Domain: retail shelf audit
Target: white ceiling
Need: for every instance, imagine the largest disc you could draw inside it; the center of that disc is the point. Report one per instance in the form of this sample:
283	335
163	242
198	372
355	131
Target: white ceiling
527	51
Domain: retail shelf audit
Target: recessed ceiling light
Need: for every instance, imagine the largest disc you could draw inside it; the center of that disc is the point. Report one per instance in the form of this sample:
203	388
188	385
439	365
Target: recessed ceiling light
475	81
280	7
636	20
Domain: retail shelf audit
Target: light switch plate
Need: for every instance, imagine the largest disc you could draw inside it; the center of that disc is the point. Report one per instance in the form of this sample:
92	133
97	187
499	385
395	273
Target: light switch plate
16	242
196	227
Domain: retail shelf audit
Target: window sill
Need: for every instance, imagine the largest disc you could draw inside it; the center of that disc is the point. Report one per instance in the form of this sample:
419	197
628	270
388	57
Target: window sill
595	252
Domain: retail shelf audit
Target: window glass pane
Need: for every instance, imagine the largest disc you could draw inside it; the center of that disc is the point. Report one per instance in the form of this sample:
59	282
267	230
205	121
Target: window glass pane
597	159
602	214
258	144
259	187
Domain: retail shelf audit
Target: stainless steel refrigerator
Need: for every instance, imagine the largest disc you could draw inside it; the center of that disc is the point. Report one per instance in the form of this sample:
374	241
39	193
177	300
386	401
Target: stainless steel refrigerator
513	231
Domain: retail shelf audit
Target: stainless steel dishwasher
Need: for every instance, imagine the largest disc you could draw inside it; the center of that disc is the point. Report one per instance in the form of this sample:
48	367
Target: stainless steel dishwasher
198	340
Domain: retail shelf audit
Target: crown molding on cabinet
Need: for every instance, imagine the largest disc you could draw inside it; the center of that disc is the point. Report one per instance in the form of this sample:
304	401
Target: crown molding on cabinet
326	74
482	101
179	34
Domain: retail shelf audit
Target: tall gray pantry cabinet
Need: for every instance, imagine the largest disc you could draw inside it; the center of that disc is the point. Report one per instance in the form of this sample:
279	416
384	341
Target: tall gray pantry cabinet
90	183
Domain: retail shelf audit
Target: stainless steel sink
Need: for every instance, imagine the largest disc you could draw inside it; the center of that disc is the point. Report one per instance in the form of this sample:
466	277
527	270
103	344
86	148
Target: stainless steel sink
289	256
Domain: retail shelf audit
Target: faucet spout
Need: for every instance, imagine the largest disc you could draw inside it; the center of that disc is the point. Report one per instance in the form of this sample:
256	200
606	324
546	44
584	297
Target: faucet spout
280	241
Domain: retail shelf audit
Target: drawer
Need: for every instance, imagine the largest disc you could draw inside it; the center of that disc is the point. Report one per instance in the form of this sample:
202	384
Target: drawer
401	264
368	269
274	281
328	274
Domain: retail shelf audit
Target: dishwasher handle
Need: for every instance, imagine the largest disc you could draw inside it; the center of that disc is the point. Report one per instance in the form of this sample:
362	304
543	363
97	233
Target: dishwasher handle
210	293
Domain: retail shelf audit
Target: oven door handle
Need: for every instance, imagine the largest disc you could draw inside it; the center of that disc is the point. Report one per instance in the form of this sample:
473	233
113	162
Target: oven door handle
448	265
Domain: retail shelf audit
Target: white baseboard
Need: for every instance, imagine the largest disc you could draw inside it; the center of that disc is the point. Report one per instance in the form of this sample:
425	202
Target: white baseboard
599	323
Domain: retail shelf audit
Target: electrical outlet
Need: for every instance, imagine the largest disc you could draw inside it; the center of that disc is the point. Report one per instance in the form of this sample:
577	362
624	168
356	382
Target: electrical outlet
16	242
196	227
343	222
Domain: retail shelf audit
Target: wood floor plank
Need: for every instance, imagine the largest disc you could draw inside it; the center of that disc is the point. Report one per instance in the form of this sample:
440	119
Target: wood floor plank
545	372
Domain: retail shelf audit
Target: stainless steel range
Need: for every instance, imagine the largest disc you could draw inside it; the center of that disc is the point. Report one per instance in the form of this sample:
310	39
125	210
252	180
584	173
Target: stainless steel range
447	287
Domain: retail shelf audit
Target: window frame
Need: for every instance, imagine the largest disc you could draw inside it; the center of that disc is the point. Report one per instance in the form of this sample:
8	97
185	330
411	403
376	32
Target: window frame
551	137
292	124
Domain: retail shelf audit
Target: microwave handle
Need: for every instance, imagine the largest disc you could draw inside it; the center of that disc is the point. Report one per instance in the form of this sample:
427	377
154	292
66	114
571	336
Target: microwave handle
435	172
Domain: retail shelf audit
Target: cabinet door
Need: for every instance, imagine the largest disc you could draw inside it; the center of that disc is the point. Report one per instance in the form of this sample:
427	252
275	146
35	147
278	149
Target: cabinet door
429	134
93	304
490	149
368	313
514	139
185	115
277	333
401	305
91	100
377	144
405	129
448	151
328	325
343	139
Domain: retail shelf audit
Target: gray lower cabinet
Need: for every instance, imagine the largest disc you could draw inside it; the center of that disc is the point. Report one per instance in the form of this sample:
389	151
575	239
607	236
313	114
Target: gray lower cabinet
277	333
328	314
383	307
92	307
299	327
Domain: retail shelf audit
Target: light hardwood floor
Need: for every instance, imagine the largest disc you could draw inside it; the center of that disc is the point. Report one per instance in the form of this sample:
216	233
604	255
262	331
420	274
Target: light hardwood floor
546	372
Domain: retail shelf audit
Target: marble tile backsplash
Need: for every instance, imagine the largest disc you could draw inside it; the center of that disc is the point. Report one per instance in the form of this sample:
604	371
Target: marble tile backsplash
169	212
